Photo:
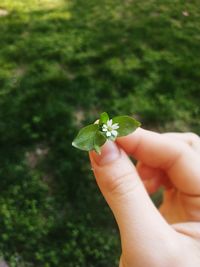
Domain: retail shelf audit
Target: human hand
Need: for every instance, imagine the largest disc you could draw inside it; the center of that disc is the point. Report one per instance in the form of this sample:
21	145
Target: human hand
170	236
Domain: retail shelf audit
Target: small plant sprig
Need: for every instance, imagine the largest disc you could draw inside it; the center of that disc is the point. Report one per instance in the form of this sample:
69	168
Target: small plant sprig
93	136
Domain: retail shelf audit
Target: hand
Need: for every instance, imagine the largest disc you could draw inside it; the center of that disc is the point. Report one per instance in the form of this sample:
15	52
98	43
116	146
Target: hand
169	236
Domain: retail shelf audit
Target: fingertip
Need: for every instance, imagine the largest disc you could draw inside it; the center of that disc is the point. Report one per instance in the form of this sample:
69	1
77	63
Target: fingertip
109	152
130	142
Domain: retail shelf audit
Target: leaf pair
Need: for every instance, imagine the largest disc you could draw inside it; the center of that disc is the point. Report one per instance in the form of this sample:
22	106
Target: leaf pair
92	137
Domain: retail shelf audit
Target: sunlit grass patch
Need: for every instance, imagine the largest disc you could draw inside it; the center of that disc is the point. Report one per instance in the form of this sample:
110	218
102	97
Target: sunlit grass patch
31	5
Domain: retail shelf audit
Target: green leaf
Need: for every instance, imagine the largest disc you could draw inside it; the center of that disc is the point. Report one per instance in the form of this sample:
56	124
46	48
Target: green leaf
85	138
89	138
99	140
97	149
103	118
126	125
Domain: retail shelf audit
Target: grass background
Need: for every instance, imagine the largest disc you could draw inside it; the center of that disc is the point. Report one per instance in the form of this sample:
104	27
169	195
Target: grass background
61	64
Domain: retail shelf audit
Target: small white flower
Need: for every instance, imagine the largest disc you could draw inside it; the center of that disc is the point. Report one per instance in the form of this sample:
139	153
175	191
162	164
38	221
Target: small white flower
110	129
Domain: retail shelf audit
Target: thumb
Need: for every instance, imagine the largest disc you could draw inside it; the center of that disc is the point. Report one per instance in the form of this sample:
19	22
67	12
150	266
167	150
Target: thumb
138	219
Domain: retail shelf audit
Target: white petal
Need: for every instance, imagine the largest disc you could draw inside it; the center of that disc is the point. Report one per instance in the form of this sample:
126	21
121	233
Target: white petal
109	123
108	134
104	128
115	126
114	133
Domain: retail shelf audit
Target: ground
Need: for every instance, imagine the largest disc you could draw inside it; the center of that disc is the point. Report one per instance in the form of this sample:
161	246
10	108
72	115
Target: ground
62	64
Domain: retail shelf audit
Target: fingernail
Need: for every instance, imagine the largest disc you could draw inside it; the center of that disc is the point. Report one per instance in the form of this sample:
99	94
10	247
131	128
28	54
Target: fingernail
109	153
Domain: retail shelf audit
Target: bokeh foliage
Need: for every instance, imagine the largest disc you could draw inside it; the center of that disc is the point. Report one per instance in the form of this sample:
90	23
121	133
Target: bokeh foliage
61	64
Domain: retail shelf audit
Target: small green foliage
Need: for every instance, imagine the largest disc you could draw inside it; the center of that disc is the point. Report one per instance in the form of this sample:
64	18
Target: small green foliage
85	138
93	136
89	138
126	125
99	140
103	118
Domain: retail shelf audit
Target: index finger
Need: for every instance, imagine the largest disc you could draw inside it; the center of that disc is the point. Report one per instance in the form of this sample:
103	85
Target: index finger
175	157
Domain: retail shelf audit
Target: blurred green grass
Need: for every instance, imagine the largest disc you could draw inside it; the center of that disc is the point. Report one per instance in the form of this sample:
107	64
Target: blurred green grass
61	64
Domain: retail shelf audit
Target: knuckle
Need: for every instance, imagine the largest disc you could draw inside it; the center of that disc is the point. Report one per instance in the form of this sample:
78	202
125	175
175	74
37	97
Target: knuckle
192	138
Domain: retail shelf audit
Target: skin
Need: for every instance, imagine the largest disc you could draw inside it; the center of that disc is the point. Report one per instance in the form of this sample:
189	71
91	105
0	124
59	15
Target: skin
150	237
